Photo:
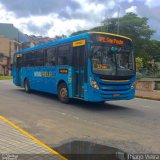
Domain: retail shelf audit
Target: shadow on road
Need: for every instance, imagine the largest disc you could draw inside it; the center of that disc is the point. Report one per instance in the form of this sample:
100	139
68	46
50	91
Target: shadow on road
93	106
97	106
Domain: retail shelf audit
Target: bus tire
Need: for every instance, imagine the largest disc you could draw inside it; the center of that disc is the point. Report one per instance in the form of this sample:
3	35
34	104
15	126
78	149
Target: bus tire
27	86
63	93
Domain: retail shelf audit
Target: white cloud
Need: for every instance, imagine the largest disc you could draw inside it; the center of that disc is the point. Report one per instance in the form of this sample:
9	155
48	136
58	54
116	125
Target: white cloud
111	4
152	3
90	13
115	15
58	26
4	15
93	12
131	9
66	27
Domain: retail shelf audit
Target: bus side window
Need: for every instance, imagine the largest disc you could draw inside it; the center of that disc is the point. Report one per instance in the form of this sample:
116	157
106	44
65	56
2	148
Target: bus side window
28	59
32	59
64	55
39	60
50	57
23	60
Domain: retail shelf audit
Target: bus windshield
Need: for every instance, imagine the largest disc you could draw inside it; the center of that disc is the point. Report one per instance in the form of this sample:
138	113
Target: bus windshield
112	60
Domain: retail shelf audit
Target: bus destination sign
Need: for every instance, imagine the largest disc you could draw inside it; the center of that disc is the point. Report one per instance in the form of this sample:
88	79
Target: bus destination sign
110	40
79	43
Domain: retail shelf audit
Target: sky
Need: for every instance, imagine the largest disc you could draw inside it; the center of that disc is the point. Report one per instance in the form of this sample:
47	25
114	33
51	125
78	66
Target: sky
57	17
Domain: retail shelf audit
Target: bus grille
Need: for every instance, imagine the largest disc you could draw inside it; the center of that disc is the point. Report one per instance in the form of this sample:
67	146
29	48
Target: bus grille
108	90
114	87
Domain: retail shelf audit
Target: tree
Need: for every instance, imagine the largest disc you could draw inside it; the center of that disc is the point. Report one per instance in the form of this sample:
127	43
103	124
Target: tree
78	32
153	47
133	26
139	63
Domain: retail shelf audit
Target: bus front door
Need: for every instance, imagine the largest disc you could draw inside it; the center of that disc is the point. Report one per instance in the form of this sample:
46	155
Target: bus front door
78	64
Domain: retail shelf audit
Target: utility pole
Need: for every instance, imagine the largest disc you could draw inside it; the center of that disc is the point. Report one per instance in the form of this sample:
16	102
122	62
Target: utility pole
106	22
9	58
118	20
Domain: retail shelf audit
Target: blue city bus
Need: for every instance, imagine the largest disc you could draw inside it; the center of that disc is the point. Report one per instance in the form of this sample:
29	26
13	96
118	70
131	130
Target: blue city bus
93	66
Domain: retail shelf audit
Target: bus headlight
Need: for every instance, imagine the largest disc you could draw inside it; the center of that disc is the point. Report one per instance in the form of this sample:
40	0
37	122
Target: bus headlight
133	85
94	84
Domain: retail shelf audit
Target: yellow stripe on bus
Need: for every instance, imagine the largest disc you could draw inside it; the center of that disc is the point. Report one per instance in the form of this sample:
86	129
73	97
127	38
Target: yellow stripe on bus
115	80
110	34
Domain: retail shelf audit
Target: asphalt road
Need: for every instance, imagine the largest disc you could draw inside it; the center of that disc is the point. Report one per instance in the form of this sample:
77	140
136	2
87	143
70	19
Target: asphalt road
133	126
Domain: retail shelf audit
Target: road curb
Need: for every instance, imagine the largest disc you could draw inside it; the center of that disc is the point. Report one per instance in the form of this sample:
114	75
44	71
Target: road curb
149	98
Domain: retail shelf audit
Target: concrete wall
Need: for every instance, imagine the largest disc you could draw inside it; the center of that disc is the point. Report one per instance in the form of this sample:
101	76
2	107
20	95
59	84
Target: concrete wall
147	84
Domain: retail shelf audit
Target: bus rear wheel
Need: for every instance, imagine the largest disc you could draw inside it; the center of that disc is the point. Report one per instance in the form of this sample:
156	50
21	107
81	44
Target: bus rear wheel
63	94
27	86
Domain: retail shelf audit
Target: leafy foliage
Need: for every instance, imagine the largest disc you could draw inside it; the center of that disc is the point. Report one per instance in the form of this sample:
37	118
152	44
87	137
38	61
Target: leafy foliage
79	32
139	63
5	77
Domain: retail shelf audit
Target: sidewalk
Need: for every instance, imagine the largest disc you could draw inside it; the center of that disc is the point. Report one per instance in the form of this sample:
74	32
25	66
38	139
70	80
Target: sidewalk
153	95
15	143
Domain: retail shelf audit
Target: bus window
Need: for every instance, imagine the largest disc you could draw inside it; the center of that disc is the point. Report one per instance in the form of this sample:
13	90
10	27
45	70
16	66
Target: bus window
23	60
64	55
39	61
28	59
31	59
50	57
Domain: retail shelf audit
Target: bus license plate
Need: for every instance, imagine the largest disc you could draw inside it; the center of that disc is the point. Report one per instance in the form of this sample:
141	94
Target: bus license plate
115	95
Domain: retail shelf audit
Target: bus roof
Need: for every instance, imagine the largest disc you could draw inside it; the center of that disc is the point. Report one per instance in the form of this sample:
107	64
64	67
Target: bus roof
61	41
110	34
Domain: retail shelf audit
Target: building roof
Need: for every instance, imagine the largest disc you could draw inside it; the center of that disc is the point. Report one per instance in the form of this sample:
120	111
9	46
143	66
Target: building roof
12	32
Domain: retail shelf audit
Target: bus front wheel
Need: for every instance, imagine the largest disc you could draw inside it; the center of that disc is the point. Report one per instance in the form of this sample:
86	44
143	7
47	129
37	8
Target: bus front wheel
27	86
63	93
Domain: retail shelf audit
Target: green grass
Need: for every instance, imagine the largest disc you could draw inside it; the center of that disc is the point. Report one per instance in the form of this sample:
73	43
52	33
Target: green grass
5	77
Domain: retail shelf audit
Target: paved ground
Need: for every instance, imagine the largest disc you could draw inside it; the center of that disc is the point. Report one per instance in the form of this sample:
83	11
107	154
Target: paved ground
132	126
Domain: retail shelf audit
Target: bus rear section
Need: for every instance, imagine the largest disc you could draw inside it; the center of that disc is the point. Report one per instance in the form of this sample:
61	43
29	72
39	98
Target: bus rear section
16	69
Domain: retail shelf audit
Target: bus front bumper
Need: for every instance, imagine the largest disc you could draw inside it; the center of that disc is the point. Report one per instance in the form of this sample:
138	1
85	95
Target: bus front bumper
99	95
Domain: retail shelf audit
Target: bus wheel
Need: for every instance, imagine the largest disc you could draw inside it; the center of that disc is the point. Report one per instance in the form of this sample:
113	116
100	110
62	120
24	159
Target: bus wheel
27	86
63	93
